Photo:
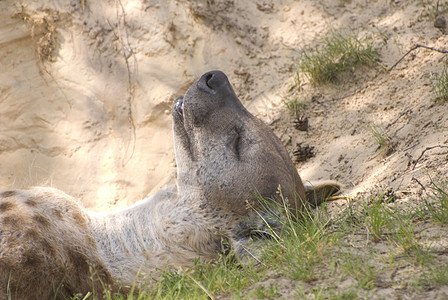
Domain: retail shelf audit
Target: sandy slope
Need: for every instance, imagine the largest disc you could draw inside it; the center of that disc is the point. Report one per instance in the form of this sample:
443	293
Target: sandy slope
86	88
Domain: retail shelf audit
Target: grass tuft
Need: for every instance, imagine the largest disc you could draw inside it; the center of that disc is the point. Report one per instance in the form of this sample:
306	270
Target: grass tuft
440	84
300	246
204	280
295	106
438	207
384	141
357	267
381	137
262	292
378	218
338	53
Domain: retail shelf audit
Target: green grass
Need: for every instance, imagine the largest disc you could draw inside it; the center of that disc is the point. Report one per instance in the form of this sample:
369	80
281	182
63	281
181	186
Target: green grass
440	84
437	276
204	280
301	246
384	141
295	106
437	205
358	268
338	52
263	292
377	218
316	251
324	293
380	136
372	216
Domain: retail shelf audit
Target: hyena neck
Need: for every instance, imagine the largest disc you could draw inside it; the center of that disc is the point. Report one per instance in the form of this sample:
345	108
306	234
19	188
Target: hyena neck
163	230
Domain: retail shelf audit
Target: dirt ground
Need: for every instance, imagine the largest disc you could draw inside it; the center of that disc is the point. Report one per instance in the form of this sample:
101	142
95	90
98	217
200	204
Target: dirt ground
86	89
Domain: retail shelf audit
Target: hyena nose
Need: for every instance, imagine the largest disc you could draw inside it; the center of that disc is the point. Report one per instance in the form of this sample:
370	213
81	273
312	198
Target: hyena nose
212	82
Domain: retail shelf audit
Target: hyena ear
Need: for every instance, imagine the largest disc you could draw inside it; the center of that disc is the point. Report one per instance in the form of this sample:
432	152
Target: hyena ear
318	191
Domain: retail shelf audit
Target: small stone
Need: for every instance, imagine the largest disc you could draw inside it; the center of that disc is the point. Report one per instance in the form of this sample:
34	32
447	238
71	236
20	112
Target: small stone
440	22
265	7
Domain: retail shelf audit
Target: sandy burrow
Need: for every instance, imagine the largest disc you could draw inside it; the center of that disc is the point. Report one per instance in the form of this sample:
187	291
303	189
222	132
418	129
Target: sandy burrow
86	88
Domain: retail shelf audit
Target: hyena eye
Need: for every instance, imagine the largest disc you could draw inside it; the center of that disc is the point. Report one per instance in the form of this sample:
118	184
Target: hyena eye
237	145
235	142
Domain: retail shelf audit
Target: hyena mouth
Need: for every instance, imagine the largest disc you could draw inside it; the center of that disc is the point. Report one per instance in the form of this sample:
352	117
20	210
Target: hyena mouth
180	107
